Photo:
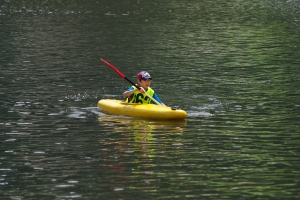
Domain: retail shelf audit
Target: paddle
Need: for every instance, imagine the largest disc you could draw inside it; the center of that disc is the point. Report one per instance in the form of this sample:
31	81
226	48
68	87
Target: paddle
124	77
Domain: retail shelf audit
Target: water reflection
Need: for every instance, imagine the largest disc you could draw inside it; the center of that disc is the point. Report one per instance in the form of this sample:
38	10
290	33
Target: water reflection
133	148
140	136
138	123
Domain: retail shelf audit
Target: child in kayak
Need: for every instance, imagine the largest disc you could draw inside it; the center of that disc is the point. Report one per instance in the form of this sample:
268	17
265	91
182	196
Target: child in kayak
135	95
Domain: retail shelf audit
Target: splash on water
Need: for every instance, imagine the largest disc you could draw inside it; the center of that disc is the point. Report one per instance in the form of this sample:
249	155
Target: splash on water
82	113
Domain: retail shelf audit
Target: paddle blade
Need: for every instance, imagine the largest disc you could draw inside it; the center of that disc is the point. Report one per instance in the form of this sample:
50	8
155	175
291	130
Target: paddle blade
114	68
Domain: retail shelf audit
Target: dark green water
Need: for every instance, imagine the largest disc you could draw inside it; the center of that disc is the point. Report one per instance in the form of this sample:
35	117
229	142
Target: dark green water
232	65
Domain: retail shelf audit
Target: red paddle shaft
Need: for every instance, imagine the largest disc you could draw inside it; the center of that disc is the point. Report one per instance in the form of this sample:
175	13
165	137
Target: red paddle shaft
120	73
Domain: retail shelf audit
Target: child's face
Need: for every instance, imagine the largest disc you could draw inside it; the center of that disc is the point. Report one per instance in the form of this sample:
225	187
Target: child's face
145	83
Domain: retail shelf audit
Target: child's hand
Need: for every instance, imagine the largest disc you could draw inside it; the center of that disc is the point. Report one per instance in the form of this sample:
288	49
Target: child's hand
142	90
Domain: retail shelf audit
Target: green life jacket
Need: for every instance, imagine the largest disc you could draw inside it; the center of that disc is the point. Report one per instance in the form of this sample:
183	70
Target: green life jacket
138	97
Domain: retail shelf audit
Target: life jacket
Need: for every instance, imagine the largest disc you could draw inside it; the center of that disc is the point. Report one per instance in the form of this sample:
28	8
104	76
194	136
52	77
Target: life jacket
138	97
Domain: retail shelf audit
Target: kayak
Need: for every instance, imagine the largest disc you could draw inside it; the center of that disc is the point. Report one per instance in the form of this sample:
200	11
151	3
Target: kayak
150	111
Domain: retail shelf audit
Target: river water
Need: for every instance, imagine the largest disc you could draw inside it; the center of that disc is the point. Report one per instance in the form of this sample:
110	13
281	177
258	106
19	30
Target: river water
232	65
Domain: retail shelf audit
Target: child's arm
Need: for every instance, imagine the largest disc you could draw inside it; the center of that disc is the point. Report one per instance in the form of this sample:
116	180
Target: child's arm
157	99
130	92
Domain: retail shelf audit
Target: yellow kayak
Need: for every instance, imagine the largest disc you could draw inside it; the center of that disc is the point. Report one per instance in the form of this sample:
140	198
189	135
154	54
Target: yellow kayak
150	111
